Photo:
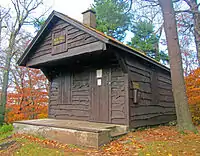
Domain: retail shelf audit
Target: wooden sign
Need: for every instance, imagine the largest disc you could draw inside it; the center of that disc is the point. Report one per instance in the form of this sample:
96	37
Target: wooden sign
136	85
99	73
59	40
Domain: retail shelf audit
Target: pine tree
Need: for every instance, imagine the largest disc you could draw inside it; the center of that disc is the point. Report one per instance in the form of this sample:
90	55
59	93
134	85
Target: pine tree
111	18
147	41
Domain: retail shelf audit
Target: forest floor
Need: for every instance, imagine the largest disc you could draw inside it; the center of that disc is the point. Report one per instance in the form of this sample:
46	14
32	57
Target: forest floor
158	141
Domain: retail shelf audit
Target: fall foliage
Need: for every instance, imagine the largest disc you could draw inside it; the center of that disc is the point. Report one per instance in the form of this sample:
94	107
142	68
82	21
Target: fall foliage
158	141
30	97
193	92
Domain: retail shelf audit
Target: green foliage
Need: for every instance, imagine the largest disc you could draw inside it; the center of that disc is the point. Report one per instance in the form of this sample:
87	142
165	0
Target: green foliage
5	131
6	128
147	41
172	123
38	23
35	149
163	56
111	17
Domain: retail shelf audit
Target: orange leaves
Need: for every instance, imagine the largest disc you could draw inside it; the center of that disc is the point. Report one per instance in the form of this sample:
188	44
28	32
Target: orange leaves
159	141
53	144
14	113
192	82
29	98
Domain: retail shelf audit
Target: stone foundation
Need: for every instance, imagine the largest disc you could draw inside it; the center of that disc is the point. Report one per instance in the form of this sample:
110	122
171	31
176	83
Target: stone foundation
88	137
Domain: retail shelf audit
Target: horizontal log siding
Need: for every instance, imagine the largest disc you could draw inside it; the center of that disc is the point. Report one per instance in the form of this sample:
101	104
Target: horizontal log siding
73	95
70	96
155	104
75	38
118	95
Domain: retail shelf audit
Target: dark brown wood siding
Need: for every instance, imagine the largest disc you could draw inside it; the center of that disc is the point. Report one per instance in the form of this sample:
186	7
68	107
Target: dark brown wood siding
70	96
155	103
118	112
75	95
46	51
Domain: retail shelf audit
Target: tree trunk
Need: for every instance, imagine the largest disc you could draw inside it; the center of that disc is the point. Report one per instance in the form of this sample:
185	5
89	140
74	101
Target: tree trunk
193	4
178	85
0	27
196	16
157	54
4	89
6	72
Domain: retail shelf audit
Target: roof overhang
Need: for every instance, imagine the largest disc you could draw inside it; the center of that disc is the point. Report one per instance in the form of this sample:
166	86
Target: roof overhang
93	32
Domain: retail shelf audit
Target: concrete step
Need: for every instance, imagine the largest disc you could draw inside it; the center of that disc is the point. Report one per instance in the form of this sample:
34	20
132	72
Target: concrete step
118	134
82	133
118	130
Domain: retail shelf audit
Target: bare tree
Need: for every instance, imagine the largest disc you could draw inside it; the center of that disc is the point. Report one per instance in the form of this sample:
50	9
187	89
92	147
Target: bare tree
23	12
178	85
182	110
3	14
194	25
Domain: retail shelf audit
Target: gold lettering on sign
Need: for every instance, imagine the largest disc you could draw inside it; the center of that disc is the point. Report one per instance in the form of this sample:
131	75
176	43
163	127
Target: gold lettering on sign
59	40
136	85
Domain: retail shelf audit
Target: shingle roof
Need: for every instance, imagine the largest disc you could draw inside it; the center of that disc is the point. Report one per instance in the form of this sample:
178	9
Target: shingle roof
99	35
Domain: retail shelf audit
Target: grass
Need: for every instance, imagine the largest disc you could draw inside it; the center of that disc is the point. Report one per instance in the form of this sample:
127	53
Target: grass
5	131
33	149
6	128
165	148
26	147
167	141
157	141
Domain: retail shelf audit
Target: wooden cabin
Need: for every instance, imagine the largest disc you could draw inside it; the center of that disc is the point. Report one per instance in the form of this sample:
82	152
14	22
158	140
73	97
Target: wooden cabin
94	77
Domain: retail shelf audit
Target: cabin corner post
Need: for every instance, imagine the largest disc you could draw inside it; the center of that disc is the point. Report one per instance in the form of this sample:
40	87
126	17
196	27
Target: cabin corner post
121	61
127	106
110	94
48	116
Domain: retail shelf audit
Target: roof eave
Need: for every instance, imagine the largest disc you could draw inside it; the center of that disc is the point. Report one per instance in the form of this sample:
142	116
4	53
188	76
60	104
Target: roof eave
125	48
21	60
83	27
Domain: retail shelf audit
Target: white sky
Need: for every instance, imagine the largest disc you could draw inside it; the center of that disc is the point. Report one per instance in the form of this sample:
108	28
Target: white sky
72	8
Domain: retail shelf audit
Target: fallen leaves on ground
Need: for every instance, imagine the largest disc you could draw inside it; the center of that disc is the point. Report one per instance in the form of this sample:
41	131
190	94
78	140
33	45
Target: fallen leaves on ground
163	140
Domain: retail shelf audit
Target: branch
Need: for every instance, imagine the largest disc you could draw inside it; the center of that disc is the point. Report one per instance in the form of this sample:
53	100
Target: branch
188	3
4	14
160	30
198	5
182	11
130	6
175	1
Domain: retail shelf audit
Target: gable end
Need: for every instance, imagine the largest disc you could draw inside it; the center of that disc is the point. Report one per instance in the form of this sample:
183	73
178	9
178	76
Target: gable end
76	35
60	38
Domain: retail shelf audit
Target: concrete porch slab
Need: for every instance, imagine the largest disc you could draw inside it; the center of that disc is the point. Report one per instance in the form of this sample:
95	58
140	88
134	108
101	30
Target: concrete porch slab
84	133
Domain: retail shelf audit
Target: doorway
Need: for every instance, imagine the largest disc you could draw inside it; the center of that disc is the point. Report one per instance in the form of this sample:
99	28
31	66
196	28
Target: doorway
100	85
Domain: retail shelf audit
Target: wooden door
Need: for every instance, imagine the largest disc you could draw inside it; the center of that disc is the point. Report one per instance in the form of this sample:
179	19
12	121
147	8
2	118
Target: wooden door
100	96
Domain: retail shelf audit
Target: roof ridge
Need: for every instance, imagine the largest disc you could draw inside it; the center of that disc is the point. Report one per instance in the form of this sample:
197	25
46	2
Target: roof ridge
95	33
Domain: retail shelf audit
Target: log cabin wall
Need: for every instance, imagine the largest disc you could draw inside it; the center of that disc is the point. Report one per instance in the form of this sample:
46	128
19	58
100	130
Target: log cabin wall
154	103
70	96
50	49
73	95
119	91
